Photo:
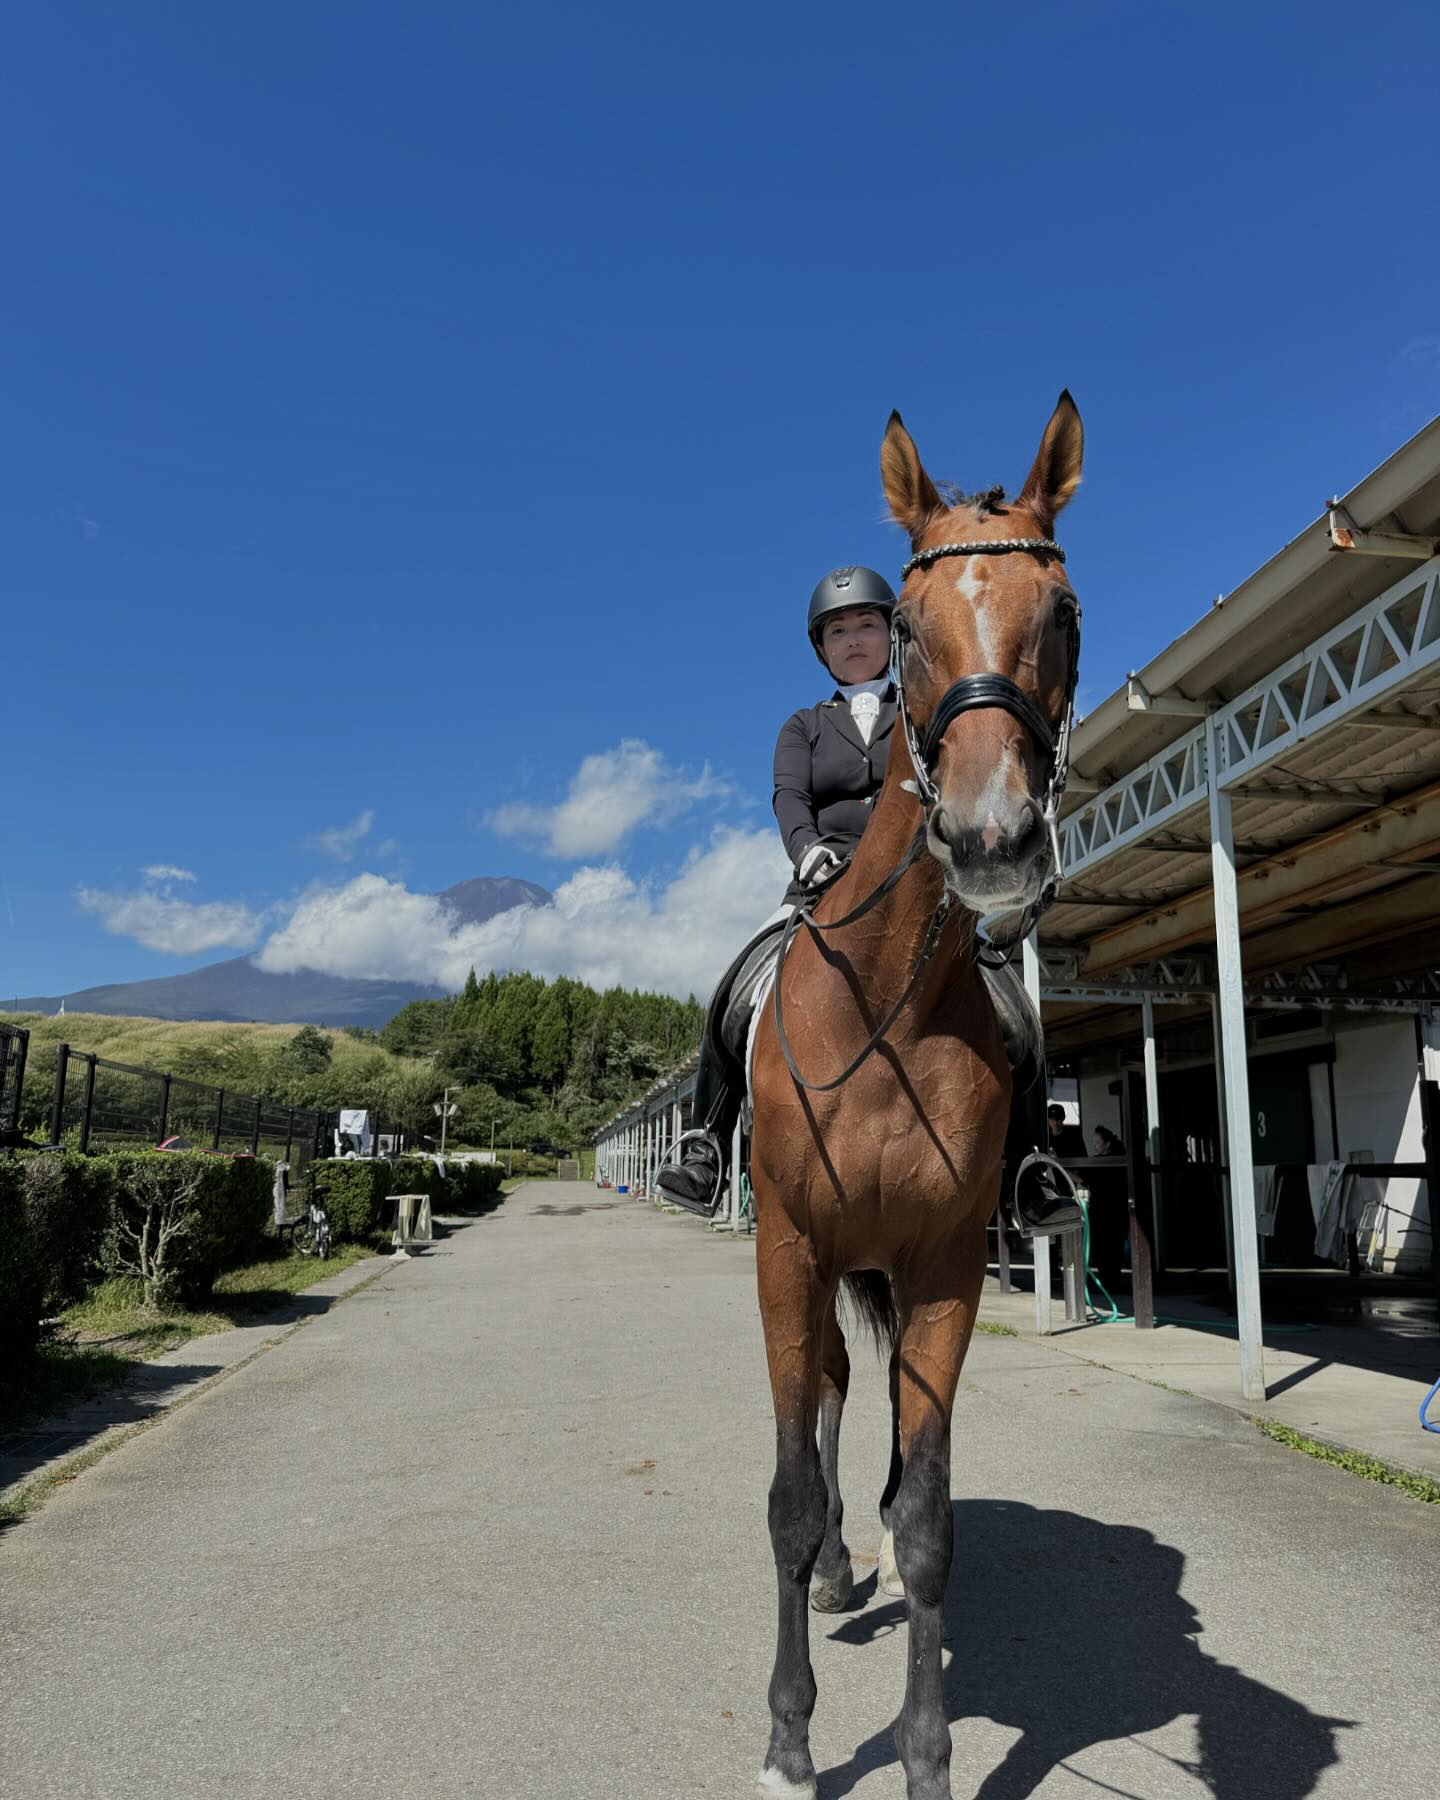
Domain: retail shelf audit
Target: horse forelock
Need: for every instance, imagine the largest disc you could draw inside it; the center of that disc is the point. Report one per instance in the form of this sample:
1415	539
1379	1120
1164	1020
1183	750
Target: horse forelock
984	503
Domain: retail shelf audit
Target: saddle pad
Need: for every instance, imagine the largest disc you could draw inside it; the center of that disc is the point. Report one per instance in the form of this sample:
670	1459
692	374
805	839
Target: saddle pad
753	967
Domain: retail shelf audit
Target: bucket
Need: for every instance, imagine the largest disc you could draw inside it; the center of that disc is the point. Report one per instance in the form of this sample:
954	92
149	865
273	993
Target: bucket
623	1188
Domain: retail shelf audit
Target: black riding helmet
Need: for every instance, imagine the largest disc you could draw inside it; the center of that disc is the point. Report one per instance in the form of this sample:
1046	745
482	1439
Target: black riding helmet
844	588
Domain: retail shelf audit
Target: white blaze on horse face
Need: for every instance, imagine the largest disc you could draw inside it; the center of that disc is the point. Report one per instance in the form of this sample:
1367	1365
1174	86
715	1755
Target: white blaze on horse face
970	585
1001	798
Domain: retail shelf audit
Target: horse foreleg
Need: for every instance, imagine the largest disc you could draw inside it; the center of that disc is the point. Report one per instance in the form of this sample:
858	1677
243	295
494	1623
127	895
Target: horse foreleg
887	1578
934	1335
833	1579
793	1304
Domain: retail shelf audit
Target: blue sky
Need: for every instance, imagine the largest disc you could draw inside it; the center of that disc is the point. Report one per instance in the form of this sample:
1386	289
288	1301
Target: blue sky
405	405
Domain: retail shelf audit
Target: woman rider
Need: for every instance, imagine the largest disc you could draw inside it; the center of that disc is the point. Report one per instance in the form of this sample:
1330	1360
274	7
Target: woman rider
829	764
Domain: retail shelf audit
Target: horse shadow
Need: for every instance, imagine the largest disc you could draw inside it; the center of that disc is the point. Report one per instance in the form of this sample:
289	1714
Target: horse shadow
1073	1633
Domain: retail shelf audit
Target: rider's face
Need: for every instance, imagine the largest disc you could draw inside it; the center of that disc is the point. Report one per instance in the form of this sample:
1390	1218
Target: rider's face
855	644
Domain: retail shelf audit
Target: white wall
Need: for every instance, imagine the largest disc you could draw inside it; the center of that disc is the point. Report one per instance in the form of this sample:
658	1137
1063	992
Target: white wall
1098	1106
1377	1106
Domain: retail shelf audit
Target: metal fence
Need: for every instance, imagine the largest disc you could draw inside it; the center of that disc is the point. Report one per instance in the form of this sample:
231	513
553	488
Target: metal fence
104	1105
14	1048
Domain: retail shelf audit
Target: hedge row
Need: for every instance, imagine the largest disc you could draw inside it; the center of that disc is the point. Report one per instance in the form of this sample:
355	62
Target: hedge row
64	1219
353	1190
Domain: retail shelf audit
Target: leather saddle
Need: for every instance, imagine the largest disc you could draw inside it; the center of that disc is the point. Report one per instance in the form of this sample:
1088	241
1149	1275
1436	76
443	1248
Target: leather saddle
1018	1016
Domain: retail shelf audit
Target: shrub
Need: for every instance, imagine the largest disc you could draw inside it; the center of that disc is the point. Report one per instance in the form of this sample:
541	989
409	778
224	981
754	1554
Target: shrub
352	1190
22	1286
418	1175
473	1184
463	1186
68	1204
217	1208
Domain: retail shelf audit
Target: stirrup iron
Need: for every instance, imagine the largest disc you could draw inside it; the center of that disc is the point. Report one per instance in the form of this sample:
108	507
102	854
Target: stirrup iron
702	1209
1061	1180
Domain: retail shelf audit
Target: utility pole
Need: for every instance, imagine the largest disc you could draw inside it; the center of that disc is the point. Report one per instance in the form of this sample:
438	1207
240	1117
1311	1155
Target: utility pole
444	1108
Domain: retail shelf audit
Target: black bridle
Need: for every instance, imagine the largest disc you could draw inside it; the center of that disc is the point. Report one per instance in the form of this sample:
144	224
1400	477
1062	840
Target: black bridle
971	693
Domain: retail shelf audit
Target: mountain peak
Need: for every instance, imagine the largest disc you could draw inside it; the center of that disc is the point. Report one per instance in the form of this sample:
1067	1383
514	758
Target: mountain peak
484	896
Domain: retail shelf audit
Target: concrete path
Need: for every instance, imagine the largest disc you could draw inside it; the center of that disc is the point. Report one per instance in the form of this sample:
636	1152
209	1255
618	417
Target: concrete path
496	1527
1357	1387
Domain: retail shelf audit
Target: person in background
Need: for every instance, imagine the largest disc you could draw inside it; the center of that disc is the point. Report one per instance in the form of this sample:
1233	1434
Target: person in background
1065	1140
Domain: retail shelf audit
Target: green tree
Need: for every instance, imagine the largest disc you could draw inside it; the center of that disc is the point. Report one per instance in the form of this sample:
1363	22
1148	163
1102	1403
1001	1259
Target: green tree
308	1051
550	1042
417	1029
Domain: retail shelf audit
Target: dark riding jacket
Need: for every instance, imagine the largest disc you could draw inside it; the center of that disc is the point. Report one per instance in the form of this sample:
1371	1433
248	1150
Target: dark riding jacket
827	776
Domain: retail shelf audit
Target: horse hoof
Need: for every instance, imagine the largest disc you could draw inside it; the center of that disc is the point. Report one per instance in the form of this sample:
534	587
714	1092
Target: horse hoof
781	1787
832	1596
887	1575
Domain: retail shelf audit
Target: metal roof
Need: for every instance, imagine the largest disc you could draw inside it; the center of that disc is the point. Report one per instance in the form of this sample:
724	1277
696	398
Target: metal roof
1315	690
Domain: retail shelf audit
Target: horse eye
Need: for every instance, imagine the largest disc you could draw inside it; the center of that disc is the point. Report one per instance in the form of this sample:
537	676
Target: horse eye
1067	610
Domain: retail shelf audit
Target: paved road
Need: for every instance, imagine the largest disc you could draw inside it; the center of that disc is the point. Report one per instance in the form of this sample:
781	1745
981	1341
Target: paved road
496	1527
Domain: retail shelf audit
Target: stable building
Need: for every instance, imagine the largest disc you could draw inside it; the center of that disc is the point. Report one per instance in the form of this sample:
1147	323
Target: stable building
1241	970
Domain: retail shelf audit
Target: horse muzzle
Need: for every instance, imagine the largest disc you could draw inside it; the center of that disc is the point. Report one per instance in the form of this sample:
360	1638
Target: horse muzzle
990	864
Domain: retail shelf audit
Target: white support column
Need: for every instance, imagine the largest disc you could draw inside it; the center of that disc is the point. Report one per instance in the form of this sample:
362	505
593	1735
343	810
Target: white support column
1222	1113
1040	1246
1237	1078
733	1198
1152	1109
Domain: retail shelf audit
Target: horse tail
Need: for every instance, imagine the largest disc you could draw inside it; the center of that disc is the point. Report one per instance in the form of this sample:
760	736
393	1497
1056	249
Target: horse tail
870	1293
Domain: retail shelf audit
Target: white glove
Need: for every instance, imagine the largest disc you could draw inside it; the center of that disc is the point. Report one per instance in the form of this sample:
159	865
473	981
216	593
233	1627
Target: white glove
817	865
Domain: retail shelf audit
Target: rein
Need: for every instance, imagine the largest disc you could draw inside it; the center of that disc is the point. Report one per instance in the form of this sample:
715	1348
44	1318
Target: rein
971	693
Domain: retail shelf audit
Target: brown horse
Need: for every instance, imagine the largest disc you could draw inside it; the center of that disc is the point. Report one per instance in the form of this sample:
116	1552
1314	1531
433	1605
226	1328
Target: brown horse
887	1181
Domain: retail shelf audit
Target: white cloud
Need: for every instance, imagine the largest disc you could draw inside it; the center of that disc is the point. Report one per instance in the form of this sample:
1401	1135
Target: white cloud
167	872
177	927
604	927
611	794
342	841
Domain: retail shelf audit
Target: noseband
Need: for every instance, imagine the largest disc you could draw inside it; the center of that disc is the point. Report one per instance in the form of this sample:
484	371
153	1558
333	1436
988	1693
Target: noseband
974	693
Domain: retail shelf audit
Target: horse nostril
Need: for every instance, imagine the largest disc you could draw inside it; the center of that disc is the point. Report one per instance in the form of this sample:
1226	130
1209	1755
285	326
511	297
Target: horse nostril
1029	838
952	833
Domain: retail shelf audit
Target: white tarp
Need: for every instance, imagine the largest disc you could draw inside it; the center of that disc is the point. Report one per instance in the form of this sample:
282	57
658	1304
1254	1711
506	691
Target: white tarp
355	1135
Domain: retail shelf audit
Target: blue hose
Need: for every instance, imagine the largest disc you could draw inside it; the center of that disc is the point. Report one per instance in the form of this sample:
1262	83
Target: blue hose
1426	1424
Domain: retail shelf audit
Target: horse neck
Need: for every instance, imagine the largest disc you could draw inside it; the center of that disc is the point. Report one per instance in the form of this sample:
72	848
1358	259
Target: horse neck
887	941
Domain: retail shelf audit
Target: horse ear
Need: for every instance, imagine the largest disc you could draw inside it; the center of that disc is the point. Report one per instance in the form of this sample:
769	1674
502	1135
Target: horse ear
1056	472
911	494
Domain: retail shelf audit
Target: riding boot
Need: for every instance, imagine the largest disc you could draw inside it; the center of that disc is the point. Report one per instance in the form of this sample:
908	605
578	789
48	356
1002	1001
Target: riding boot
697	1180
1040	1193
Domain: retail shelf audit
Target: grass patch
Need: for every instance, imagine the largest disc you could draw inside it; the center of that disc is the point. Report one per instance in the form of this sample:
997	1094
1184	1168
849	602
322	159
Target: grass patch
108	1332
1354	1462
61	1376
993	1328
